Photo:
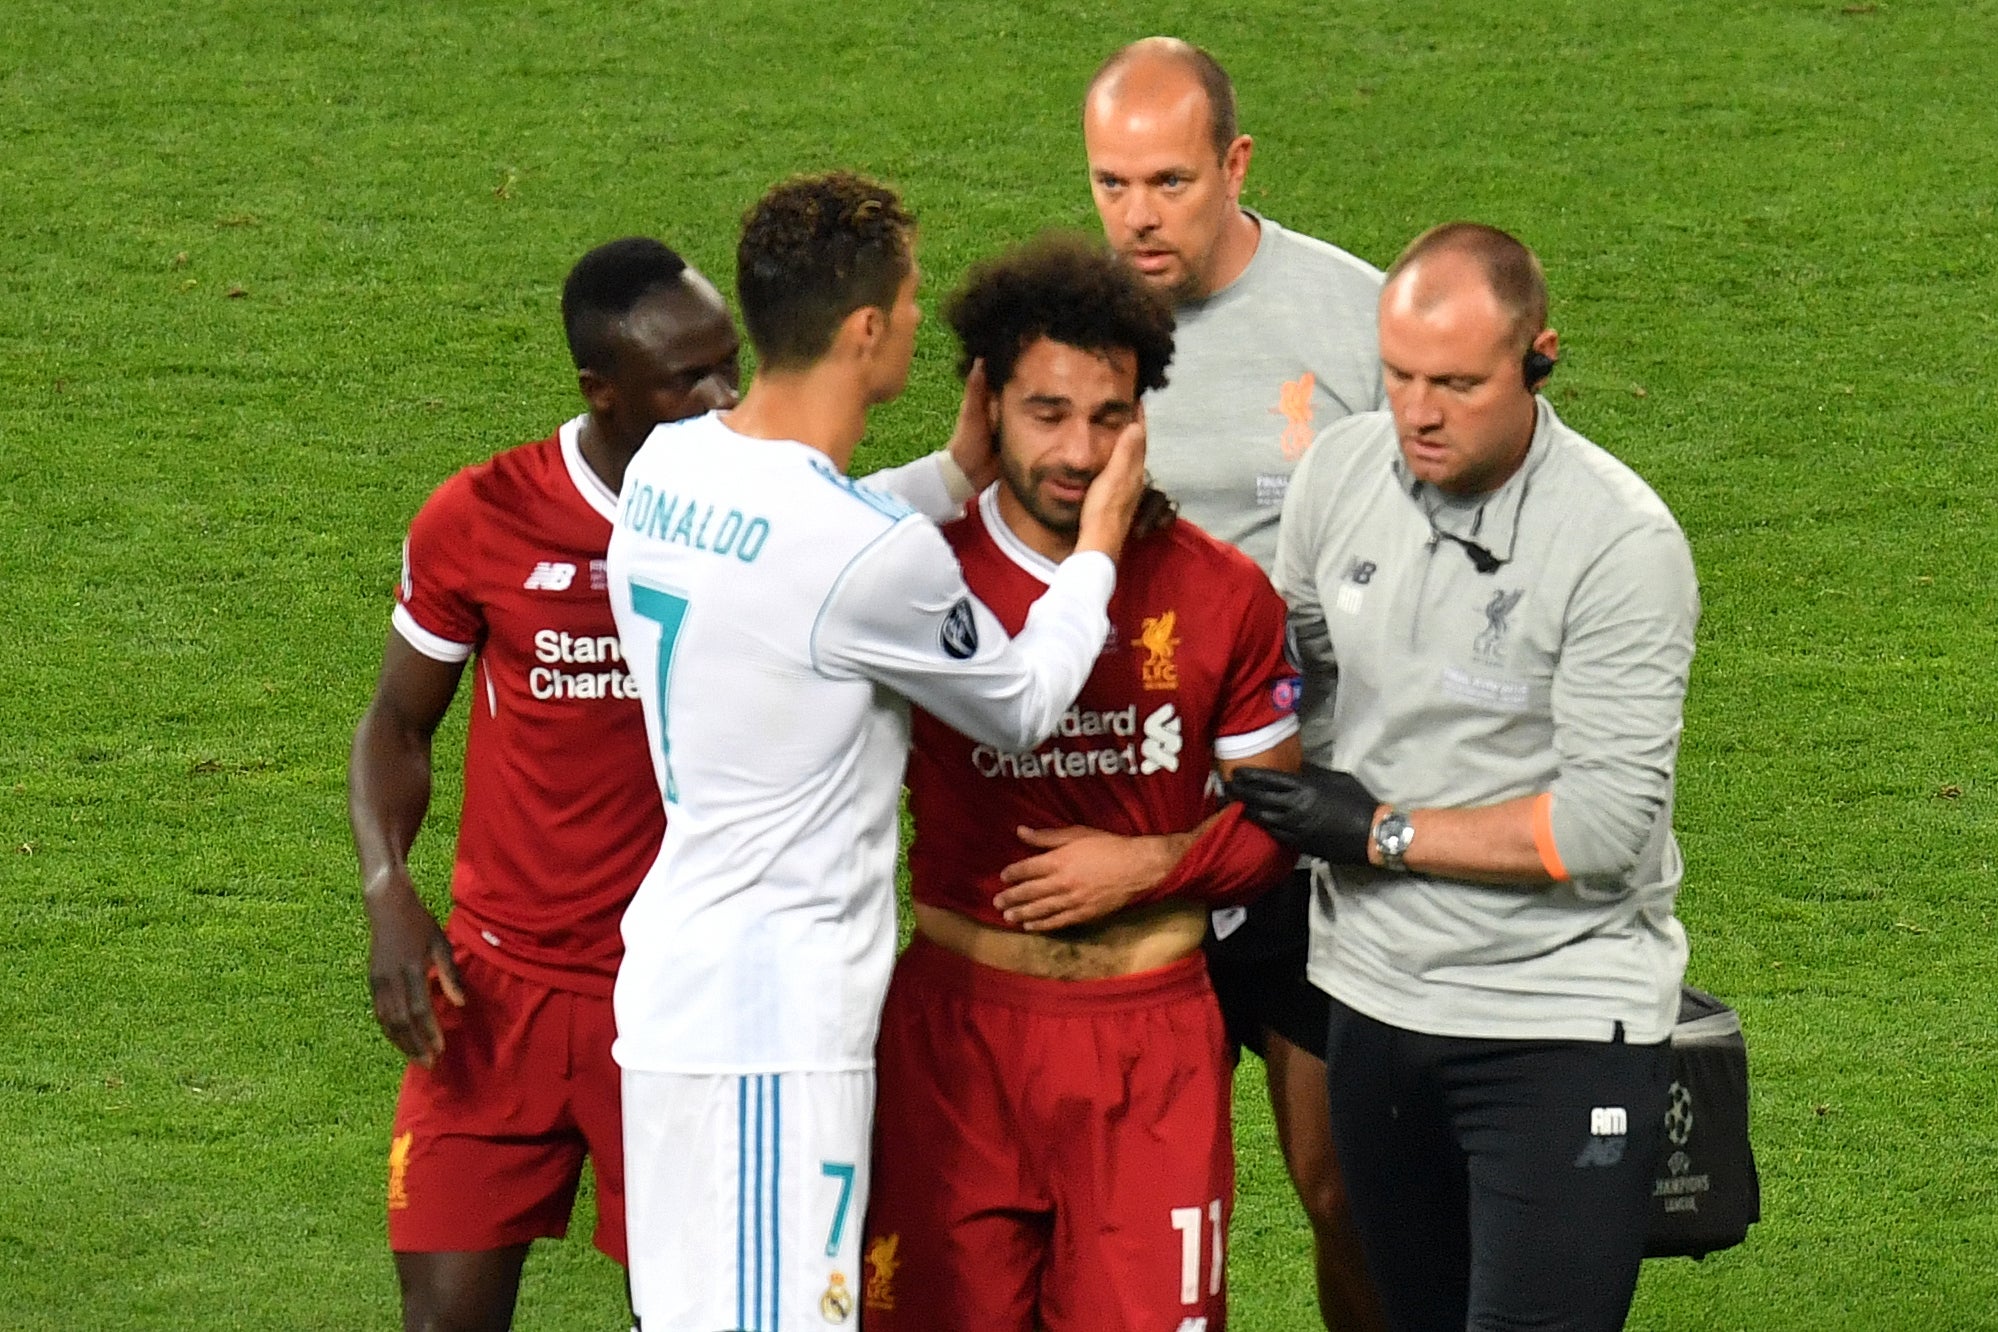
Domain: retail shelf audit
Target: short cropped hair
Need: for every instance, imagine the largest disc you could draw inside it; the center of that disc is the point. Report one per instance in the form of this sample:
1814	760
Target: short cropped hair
1214	81
1511	269
602	289
814	249
1063	287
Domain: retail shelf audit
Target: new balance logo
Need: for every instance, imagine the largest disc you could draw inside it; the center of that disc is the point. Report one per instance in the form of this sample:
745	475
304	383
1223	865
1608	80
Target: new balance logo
1600	1152
1162	741
550	576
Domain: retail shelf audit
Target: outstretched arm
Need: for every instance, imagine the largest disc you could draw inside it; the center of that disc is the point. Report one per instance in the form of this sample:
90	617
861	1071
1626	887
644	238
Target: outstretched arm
902	616
388	793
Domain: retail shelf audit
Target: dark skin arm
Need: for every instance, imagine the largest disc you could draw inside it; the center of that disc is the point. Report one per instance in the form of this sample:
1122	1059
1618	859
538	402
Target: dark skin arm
388	793
1084	874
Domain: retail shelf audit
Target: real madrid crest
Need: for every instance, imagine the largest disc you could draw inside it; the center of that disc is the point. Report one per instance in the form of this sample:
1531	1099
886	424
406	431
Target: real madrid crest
836	1305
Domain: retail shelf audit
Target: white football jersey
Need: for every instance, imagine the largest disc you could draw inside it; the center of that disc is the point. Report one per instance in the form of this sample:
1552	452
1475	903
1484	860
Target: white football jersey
777	617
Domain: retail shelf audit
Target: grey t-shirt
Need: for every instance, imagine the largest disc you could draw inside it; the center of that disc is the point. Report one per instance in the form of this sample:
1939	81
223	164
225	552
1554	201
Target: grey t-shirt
1259	368
1561	670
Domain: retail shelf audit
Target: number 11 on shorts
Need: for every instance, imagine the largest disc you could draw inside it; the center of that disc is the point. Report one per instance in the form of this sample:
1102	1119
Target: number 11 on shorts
1186	1220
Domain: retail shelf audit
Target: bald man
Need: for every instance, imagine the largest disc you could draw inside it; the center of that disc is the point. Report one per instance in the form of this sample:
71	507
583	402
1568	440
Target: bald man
1275	342
1509	612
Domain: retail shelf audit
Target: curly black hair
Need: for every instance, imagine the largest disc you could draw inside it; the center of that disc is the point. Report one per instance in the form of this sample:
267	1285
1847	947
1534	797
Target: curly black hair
814	249
1067	288
602	289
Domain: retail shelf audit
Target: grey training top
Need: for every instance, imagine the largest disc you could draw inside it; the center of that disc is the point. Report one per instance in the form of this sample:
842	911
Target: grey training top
1564	671
1259	368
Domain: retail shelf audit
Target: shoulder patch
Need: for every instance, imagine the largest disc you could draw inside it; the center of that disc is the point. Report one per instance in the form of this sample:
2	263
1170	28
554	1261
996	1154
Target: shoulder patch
959	634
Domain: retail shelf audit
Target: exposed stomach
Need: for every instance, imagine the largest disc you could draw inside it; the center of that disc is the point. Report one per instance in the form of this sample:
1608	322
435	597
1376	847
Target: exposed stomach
1139	939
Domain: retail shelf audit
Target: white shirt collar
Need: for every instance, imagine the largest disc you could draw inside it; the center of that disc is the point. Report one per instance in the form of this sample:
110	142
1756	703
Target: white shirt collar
588	484
1010	545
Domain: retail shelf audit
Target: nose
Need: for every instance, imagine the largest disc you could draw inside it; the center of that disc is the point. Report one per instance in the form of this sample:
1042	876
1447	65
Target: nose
1141	212
1418	405
1076	447
717	393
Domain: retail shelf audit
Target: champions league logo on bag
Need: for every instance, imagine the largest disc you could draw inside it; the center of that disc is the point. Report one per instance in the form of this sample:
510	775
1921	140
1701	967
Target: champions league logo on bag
959	635
1705	1192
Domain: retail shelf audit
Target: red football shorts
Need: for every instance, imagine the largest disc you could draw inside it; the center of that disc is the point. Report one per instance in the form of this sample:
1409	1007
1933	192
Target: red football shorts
1051	1154
488	1146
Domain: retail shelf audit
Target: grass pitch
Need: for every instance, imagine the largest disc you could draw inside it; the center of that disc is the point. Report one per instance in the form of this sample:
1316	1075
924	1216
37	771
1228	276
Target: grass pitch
270	272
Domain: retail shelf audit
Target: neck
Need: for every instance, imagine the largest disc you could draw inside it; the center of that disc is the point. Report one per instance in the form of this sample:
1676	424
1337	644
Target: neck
1233	251
1032	532
606	455
823	407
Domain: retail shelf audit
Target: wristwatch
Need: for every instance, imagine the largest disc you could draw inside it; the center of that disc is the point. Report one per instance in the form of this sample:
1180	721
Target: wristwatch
1393	835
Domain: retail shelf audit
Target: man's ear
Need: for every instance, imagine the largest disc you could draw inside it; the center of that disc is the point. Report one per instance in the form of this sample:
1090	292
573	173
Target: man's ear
597	391
1235	164
862	330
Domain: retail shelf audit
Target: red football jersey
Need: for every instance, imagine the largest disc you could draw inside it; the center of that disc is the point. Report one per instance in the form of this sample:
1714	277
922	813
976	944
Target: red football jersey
1194	670
562	816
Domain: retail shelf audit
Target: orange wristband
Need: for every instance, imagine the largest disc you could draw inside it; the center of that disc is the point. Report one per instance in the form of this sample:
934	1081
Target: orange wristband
1543	836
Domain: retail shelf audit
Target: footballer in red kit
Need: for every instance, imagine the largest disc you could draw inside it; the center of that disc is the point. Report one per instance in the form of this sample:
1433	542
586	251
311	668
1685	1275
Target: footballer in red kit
1052	1133
1194	674
505	1012
506	561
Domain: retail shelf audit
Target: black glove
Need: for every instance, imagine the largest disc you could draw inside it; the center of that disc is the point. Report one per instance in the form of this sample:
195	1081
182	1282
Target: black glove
1319	811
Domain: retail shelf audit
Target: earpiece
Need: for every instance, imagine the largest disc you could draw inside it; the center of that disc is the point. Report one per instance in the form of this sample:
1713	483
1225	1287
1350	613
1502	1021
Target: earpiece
1537	366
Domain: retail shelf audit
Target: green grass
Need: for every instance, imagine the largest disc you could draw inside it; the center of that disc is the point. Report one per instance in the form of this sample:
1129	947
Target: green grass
1770	233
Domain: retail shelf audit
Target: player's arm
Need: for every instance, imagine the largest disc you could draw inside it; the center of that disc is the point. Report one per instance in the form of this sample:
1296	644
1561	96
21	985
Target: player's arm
903	617
1084	874
388	793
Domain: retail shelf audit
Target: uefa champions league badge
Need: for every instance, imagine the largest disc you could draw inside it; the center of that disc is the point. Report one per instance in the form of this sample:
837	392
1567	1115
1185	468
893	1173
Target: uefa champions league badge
836	1305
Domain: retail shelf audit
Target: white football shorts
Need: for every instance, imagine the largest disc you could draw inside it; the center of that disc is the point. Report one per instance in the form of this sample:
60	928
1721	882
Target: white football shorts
744	1199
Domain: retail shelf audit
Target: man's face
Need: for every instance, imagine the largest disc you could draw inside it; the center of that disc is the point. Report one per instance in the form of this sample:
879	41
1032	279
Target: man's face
1164	196
1450	357
676	359
898	345
1055	424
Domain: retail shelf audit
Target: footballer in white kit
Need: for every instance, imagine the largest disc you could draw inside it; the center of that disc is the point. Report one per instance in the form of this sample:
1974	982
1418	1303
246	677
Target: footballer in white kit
778	618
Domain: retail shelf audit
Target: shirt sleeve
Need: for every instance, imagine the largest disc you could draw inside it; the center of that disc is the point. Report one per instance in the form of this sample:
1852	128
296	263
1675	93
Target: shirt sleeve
436	611
933	485
1259	707
1618	697
1296	576
902	616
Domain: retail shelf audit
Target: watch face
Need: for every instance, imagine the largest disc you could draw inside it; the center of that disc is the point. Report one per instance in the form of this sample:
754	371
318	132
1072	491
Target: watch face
1393	835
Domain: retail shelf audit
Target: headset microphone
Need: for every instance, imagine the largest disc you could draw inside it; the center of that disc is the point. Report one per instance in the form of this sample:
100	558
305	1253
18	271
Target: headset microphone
1537	366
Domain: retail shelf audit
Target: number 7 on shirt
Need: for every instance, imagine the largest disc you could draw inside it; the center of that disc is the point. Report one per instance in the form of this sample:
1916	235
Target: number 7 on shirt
668	610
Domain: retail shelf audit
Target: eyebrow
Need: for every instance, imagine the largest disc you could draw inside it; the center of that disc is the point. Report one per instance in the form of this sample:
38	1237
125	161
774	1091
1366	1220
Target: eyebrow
1394	369
1105	173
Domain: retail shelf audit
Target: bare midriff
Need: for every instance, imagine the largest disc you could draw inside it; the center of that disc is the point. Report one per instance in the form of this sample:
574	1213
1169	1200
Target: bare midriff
1139	939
